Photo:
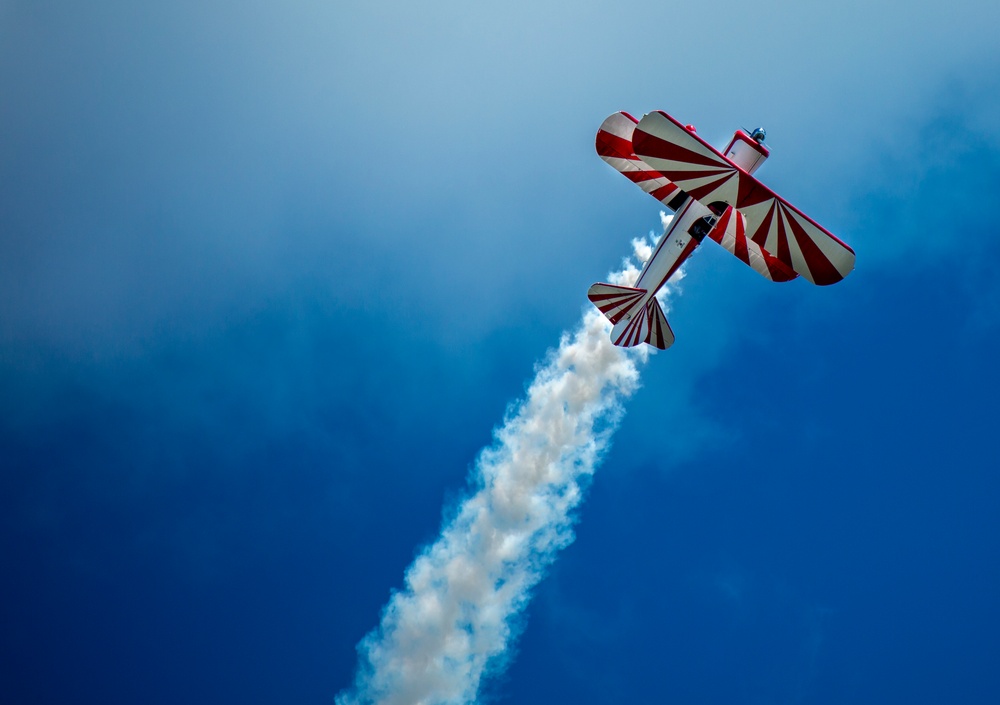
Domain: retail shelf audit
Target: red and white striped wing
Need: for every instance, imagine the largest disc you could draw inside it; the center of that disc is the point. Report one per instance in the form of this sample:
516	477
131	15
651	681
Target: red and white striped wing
730	232
694	165
775	225
614	145
795	238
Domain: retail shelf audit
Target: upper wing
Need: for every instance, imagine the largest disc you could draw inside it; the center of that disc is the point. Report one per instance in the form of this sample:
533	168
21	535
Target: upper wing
614	145
775	225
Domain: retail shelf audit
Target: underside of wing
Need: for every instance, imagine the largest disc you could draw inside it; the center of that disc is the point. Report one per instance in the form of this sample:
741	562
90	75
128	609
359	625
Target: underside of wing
730	232
615	301
794	238
614	145
775	225
679	154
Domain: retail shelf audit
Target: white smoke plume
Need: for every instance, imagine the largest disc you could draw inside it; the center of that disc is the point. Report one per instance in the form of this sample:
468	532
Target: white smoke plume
453	621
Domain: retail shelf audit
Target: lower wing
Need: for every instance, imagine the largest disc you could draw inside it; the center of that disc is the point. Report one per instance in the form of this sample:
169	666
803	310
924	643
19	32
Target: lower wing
730	232
614	145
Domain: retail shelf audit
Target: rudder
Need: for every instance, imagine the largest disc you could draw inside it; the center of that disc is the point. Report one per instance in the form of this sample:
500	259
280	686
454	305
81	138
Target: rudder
660	334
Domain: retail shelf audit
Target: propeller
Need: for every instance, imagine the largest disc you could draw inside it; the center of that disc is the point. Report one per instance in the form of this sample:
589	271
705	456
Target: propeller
758	135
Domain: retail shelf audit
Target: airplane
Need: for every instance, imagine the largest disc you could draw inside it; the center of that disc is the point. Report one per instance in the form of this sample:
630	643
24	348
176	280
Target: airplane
711	193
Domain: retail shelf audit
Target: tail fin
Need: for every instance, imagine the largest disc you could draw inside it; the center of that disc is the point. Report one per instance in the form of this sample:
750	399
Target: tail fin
636	319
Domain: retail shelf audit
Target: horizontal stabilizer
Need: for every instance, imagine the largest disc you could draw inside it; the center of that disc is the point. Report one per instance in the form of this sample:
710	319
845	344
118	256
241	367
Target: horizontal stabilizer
631	330
614	301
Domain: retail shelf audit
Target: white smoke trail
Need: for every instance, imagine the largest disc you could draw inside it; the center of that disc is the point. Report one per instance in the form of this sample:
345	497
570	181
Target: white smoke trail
454	618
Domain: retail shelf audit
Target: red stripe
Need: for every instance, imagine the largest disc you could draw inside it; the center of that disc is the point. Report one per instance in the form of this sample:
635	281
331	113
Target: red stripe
717	232
751	192
783	253
699	193
609	145
655	329
612	305
623	338
622	295
637	330
637	176
764	227
664	193
822	270
645	144
778	270
742	249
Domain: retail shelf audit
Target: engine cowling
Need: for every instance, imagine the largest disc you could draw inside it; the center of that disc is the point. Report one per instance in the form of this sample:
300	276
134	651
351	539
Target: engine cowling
746	152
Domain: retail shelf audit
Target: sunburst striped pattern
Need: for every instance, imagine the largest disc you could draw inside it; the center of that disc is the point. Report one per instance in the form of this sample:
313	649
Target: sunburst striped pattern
730	232
634	322
614	145
775	225
660	335
694	165
795	239
632	330
614	301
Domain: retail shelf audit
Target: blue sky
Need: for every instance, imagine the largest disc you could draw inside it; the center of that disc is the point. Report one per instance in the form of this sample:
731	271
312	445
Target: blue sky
270	274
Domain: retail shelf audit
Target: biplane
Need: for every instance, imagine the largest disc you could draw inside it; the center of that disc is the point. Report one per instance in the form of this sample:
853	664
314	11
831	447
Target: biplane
713	194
